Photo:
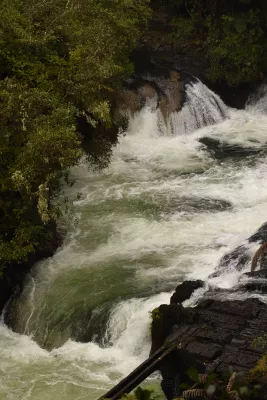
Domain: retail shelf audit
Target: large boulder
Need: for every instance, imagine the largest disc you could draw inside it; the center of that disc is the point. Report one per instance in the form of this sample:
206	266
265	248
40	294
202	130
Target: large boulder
221	150
185	290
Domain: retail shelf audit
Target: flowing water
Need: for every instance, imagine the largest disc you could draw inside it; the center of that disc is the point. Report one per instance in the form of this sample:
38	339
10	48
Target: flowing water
165	210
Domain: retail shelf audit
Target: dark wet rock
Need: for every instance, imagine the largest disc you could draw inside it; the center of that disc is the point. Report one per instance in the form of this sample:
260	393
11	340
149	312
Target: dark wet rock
195	204
214	335
185	290
256	286
234	97
260	236
239	257
166	87
136	91
159	51
255	282
157	57
260	274
222	150
248	283
164	319
159	61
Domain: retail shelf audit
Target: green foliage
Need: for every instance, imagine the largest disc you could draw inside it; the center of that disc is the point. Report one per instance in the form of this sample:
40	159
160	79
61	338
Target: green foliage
236	48
143	394
259	371
230	35
261	341
58	60
155	314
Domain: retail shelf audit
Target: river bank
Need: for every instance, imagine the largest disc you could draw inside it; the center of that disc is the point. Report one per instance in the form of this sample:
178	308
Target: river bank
165	210
220	338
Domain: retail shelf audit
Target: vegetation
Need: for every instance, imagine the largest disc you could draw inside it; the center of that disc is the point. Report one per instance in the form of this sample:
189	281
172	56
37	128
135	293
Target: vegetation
60	60
231	35
146	393
260	370
155	314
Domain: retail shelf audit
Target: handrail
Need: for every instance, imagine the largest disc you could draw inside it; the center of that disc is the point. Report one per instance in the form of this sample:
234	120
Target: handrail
144	370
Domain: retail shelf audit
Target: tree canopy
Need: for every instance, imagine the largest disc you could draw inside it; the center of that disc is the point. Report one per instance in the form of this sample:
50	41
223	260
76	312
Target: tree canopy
59	59
230	34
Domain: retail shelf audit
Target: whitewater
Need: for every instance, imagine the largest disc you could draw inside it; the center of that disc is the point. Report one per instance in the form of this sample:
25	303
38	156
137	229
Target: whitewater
165	210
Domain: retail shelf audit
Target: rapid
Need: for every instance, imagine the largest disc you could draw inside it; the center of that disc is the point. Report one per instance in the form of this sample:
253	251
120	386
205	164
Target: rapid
164	211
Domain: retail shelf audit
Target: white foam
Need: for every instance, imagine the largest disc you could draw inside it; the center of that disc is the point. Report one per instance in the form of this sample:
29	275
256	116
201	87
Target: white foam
136	236
202	108
257	102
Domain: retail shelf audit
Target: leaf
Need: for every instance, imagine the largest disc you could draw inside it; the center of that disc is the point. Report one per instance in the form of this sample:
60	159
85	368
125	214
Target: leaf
240	25
184	386
193	375
143	394
211	378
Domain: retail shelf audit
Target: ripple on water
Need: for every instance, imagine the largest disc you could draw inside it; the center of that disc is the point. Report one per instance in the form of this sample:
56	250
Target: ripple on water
164	210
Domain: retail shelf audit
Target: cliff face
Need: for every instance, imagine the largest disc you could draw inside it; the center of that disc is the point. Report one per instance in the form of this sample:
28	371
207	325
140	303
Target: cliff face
159	52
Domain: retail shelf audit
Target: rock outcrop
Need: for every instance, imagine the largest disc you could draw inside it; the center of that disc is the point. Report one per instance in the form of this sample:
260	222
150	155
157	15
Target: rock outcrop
222	150
215	335
241	256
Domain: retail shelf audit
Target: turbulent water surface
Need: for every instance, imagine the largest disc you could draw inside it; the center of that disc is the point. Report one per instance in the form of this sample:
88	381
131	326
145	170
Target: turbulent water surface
165	210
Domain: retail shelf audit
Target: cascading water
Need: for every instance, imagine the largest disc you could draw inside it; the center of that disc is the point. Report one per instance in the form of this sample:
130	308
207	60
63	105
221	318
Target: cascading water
163	211
202	107
178	107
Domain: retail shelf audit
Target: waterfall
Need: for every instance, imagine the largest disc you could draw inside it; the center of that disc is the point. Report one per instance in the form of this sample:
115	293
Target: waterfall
201	107
163	211
257	102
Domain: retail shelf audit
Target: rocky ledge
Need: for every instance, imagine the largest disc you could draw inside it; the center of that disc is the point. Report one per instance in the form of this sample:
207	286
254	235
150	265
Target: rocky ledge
218	335
215	336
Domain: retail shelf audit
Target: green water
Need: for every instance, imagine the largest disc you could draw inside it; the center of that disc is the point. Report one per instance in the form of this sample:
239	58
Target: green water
163	211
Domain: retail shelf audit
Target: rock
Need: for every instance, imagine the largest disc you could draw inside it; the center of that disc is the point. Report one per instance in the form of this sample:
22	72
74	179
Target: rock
214	336
240	257
196	204
163	320
260	236
257	282
185	290
157	57
237	259
257	275
234	97
166	86
222	150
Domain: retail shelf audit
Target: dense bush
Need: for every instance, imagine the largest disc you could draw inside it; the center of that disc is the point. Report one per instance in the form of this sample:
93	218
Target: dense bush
230	35
59	60
62	60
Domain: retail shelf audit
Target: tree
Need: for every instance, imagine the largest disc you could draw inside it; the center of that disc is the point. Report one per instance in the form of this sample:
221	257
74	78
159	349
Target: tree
230	34
59	60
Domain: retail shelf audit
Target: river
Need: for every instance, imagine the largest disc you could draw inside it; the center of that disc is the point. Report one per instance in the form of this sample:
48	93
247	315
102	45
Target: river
164	211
